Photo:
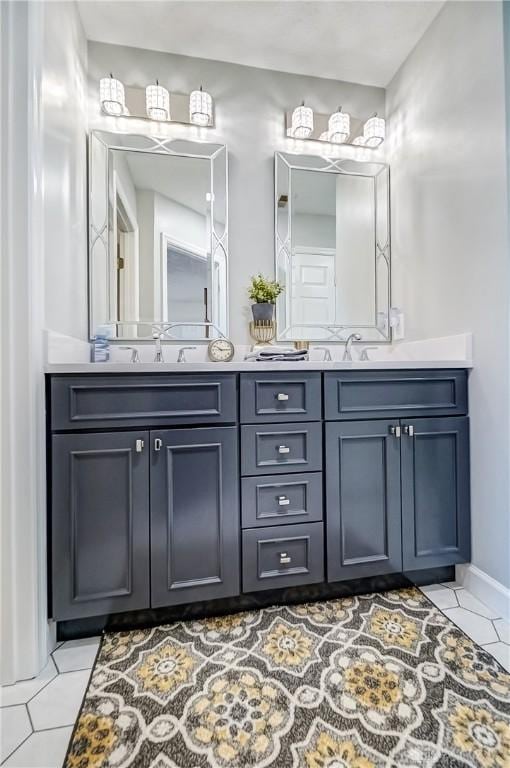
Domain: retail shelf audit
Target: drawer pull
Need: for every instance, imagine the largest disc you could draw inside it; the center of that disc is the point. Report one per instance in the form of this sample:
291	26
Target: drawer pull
284	558
283	501
282	396
158	444
283	449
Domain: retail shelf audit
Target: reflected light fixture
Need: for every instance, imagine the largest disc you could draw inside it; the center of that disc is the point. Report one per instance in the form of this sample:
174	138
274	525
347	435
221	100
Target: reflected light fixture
200	108
374	131
157	102
111	96
302	122
339	127
359	141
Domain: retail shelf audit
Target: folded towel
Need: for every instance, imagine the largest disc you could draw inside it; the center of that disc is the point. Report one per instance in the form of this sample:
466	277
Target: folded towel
290	355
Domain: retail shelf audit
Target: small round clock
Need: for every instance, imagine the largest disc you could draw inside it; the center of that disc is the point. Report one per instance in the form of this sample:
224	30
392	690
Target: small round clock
220	350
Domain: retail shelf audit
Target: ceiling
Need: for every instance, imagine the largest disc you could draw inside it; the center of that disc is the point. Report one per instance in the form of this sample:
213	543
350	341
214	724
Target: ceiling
360	41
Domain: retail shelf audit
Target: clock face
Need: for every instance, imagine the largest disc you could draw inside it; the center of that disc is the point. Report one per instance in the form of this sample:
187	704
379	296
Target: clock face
221	351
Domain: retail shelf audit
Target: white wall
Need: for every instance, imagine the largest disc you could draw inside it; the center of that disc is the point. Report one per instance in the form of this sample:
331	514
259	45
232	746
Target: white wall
446	110
43	280
250	107
64	168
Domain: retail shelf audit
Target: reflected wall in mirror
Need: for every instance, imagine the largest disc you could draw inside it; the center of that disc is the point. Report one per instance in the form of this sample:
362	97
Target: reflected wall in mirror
158	247
332	248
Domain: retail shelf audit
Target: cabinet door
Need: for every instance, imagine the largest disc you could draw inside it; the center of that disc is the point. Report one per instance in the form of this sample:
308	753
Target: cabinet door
362	499
435	493
100	523
195	517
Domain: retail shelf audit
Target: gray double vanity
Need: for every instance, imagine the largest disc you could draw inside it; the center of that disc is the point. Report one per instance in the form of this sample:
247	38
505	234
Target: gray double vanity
193	488
189	489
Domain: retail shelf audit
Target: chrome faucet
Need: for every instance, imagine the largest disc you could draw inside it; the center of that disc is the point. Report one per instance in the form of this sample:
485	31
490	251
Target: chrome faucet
364	354
327	353
135	357
158	351
181	357
348	344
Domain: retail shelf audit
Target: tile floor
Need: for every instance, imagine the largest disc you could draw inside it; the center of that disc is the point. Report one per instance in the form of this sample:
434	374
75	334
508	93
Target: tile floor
37	716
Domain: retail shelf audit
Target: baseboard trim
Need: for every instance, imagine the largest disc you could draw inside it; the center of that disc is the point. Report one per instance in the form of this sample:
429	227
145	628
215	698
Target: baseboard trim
485	588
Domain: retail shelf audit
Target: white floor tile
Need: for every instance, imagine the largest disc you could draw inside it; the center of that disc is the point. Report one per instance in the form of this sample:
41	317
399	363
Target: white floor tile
452	585
501	652
21	692
476	627
76	654
59	703
15	727
503	630
45	749
467	600
441	596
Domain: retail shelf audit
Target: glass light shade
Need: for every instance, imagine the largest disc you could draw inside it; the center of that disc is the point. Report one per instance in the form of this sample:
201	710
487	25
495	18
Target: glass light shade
324	136
339	127
359	141
374	131
200	108
111	95
157	101
302	122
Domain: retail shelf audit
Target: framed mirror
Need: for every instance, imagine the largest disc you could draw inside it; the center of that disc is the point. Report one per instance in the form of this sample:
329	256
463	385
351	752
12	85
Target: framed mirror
332	248
158	237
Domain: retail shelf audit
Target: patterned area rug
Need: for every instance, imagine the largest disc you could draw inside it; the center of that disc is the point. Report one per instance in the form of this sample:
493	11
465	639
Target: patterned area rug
370	681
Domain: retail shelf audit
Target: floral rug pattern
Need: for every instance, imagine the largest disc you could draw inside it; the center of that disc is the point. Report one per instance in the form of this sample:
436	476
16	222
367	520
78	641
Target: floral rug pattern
374	681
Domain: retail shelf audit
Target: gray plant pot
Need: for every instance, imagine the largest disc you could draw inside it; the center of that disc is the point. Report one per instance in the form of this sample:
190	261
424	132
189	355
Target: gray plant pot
262	312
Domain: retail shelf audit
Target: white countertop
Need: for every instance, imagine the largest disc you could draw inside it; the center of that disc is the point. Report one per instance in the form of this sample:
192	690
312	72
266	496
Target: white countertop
250	366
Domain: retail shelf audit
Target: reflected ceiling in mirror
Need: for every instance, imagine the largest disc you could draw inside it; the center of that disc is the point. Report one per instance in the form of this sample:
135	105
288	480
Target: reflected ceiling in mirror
332	248
158	237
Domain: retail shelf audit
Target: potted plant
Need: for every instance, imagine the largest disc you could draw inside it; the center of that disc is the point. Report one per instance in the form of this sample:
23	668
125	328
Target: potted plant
264	293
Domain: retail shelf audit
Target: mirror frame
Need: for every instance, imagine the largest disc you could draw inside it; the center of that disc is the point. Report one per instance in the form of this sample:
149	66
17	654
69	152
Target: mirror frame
100	142
382	249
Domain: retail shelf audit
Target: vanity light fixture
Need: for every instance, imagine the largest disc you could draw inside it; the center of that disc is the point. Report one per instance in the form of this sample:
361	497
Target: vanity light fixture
111	96
339	127
374	131
200	107
302	122
157	101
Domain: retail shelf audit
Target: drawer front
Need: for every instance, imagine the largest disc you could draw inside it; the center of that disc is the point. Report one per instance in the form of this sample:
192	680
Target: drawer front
93	401
274	558
280	397
390	394
277	501
267	449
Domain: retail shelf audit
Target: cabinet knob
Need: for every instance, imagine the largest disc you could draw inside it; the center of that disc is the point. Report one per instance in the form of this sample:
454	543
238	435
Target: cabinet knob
282	396
409	430
139	445
284	558
283	449
283	501
395	431
158	444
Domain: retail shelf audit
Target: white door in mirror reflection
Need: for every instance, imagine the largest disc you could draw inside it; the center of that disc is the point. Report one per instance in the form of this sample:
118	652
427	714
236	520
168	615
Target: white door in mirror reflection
312	286
185	280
